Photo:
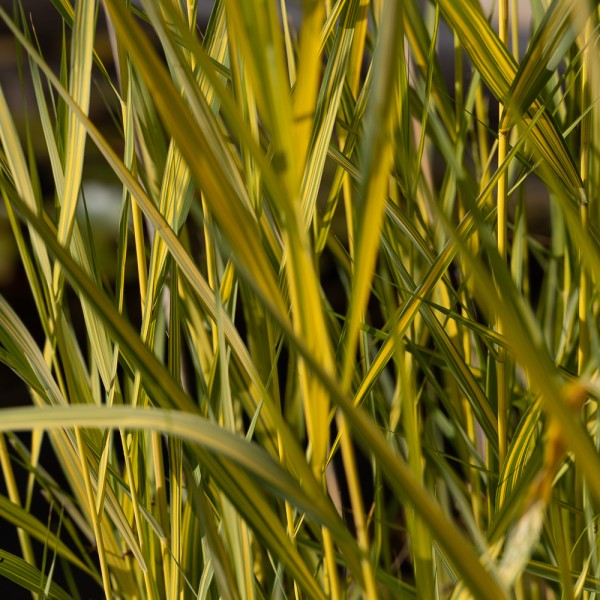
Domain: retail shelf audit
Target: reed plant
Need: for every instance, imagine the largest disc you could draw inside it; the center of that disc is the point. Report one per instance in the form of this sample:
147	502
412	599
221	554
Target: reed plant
330	354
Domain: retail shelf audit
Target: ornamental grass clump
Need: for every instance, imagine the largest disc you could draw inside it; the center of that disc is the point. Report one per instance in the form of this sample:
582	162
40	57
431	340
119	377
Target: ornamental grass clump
337	336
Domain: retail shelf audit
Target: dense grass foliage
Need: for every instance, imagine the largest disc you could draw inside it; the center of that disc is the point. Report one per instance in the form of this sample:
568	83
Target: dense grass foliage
341	339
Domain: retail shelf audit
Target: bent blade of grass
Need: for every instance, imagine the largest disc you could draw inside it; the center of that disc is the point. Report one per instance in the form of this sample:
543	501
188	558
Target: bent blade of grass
305	303
197	282
163	389
115	323
253	459
450	539
302	280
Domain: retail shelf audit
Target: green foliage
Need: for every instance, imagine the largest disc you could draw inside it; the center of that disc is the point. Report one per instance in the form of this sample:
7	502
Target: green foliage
313	229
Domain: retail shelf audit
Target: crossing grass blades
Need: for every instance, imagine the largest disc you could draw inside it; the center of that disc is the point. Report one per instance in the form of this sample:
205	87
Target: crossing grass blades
324	255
